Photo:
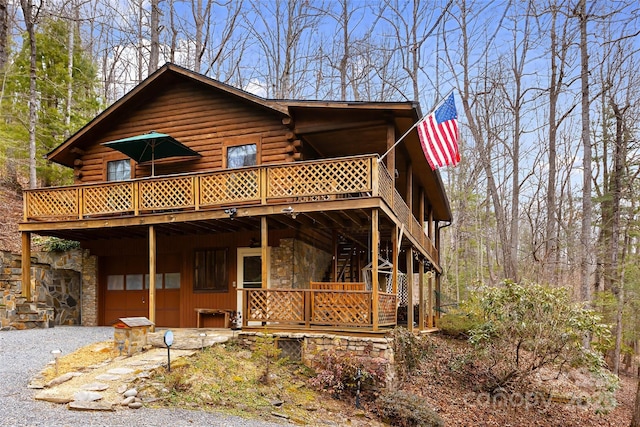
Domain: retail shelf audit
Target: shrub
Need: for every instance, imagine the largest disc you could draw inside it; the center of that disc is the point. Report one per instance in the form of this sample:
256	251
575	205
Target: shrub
266	353
458	324
55	244
400	408
337	372
527	328
409	349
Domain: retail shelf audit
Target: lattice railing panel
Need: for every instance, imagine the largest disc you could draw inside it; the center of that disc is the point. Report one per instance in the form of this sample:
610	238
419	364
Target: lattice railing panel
59	202
401	209
228	187
167	193
346	308
386	309
385	184
111	198
318	179
275	305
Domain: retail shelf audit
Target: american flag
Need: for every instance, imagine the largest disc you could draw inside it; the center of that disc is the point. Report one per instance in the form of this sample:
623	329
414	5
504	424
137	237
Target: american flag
438	134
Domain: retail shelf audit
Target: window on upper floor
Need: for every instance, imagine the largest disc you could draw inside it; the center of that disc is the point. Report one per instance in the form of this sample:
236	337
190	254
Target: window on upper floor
119	170
241	155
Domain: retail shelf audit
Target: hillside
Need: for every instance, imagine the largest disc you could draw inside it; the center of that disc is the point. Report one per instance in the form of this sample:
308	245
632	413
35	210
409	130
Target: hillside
10	214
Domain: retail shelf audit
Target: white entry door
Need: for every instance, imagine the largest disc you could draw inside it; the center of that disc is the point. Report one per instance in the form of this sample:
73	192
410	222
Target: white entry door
249	271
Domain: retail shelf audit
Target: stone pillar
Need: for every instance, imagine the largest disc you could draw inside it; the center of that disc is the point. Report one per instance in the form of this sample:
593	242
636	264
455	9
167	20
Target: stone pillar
89	293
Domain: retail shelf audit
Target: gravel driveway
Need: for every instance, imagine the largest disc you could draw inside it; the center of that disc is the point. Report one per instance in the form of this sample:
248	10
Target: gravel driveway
24	353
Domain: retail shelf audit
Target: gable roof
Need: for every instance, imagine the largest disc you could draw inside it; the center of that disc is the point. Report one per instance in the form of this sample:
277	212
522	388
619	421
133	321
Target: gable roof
146	88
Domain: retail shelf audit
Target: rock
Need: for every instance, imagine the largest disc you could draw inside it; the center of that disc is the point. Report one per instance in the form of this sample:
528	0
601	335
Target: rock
280	415
120	371
95	387
90	406
86	396
108	377
122	388
63	378
144	375
276	402
127	400
36	385
131	392
135	405
52	397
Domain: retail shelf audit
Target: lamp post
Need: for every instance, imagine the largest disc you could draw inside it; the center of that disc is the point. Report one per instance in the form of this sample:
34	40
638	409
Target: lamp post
202	337
168	340
56	353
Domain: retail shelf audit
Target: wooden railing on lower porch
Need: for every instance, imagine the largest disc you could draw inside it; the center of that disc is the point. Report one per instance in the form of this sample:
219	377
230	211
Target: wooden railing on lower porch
317	308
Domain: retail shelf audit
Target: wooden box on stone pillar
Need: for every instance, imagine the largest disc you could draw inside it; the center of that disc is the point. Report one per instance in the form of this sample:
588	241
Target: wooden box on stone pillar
130	334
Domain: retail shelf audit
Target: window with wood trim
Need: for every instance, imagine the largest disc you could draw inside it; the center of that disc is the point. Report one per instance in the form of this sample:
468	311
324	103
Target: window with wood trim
119	170
210	272
238	156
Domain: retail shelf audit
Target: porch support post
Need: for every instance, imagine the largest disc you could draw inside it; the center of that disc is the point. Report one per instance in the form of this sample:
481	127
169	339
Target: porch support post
421	311
394	254
26	265
410	288
264	240
375	243
409	198
430	300
334	261
152	275
391	157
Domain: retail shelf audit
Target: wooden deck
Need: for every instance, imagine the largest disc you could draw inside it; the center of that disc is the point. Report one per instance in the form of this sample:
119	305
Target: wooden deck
308	182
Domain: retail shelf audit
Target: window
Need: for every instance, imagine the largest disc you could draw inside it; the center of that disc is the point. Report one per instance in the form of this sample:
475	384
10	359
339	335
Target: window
241	155
211	270
118	170
115	282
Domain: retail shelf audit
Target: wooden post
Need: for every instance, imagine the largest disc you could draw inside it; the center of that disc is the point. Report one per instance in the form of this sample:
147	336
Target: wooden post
26	265
395	252
334	262
80	200
430	300
410	288
264	239
391	157
375	242
152	275
409	196
421	310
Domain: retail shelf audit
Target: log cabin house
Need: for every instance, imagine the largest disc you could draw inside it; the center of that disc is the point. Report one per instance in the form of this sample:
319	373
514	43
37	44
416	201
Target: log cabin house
285	214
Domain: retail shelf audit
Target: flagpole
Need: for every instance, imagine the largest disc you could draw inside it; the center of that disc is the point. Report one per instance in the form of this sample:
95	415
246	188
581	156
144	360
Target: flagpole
438	105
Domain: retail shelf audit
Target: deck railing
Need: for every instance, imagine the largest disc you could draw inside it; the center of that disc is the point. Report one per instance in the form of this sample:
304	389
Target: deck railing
308	308
326	179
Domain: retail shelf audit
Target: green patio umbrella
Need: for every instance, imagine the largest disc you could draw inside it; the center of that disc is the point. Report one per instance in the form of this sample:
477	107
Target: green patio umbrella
151	146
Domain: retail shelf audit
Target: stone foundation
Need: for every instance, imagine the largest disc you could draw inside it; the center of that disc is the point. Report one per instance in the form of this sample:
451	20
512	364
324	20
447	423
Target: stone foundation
314	344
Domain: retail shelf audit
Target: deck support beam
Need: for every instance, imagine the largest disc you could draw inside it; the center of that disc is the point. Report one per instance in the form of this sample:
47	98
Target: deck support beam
421	310
264	245
410	288
152	276
430	323
26	265
375	249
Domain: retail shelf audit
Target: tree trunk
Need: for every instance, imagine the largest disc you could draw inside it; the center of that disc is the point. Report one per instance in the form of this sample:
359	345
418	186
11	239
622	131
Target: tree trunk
585	235
4	31
29	20
635	420
154	53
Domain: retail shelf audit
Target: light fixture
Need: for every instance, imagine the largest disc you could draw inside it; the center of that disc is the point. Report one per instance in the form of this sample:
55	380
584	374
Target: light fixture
231	212
289	211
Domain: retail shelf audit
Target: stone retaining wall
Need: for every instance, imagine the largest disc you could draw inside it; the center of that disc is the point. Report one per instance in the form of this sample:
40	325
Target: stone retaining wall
314	344
63	290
